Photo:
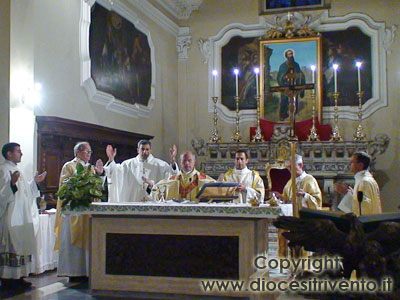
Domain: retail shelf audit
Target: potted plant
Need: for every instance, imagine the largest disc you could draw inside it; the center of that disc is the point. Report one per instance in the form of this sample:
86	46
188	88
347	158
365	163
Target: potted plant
82	188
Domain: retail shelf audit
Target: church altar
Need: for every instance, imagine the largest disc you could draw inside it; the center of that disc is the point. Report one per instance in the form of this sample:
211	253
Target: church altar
328	161
170	247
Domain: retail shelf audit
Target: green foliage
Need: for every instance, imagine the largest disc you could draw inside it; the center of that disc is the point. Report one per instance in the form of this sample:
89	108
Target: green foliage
81	189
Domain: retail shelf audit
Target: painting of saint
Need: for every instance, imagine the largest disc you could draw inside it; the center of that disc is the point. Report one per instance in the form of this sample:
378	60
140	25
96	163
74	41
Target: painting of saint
120	57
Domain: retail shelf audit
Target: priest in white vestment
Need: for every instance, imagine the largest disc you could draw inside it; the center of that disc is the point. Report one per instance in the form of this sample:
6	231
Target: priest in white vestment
365	183
72	232
133	179
19	219
184	185
251	185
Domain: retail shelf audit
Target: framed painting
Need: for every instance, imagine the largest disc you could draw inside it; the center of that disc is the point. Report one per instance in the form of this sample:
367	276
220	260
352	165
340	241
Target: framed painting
277	6
278	59
345	48
242	53
120	57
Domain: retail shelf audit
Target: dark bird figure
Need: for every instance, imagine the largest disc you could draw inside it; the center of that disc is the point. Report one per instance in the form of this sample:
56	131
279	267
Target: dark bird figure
374	255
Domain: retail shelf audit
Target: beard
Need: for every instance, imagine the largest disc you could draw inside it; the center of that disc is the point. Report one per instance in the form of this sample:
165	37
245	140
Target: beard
290	60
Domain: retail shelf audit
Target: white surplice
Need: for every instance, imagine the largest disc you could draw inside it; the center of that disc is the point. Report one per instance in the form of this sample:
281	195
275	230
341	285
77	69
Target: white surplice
125	182
251	179
19	219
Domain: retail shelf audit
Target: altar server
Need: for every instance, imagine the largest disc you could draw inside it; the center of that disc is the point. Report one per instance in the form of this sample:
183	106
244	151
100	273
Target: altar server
251	185
18	219
133	179
364	183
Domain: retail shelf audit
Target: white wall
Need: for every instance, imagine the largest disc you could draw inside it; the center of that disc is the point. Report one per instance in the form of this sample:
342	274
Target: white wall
193	83
4	70
51	56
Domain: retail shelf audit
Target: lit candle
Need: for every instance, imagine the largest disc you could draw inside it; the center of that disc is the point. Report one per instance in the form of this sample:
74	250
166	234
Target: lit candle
215	74
236	71
313	74
257	71
335	67
358	64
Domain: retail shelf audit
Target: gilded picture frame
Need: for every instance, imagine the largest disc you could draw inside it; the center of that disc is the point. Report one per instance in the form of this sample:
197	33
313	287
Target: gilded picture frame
279	6
275	60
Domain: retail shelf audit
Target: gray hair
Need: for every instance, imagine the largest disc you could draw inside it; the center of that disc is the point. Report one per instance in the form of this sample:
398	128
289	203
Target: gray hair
193	155
298	159
79	147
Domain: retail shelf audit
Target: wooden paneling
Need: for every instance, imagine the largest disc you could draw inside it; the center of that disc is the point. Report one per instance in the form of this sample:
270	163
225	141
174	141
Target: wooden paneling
57	138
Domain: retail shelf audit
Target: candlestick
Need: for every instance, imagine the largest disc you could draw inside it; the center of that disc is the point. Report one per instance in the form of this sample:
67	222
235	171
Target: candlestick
336	137
236	71
358	64
215	138
236	134
359	135
335	67
313	136
258	137
257	71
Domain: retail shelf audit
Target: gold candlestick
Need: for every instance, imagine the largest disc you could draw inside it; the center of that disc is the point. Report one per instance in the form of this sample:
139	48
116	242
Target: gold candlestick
258	137
313	136
236	134
359	135
215	138
335	137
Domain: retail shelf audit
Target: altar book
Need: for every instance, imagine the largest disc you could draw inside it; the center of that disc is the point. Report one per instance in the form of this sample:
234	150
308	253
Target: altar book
217	192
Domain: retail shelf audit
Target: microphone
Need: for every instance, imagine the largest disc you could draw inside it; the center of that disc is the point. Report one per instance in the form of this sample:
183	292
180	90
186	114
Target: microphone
360	196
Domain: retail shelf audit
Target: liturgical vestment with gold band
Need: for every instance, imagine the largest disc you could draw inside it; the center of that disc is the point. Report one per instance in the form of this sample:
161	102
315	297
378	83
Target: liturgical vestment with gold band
252	181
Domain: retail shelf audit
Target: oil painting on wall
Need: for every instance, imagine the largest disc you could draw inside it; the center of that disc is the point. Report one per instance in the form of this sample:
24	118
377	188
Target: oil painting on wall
120	57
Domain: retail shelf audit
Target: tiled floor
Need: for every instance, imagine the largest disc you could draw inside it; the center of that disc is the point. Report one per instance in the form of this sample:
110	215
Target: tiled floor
48	286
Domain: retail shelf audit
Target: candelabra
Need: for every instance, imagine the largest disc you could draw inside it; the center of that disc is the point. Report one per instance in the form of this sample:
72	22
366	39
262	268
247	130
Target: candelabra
313	136
359	135
215	138
335	137
258	137
236	134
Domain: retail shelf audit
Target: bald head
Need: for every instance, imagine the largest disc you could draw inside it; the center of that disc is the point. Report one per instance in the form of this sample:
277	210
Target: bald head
188	160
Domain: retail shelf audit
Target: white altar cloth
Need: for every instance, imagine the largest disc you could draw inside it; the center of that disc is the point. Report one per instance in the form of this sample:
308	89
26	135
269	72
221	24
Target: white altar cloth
45	258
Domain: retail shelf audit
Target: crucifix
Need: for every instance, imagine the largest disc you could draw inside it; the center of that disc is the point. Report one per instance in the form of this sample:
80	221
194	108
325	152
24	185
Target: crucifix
292	91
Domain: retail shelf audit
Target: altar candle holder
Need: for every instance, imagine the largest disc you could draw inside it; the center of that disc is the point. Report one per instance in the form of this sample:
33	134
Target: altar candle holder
215	138
359	135
236	134
313	136
258	137
336	137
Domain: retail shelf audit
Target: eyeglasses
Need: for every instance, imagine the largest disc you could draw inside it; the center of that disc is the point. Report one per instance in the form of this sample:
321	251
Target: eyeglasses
87	151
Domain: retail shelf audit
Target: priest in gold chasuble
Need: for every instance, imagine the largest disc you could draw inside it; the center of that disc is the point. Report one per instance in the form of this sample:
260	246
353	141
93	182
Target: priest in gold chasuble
184	185
251	185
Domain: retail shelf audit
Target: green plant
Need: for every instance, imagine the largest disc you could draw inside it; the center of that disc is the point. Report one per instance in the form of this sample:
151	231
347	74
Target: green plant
82	188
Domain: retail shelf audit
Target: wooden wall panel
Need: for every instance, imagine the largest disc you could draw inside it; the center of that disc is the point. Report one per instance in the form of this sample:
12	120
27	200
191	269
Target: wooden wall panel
57	138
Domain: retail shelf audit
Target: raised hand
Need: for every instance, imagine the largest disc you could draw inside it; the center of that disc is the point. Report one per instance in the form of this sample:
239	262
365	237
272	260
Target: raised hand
39	177
148	181
110	152
173	151
14	177
99	167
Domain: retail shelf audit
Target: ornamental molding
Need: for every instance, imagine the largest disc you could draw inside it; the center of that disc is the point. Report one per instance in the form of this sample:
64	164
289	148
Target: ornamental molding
181	9
183	43
99	97
204	47
318	21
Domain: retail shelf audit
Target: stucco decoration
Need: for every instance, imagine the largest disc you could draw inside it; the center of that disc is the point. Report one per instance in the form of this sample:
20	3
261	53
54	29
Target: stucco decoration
181	9
204	47
319	21
109	101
